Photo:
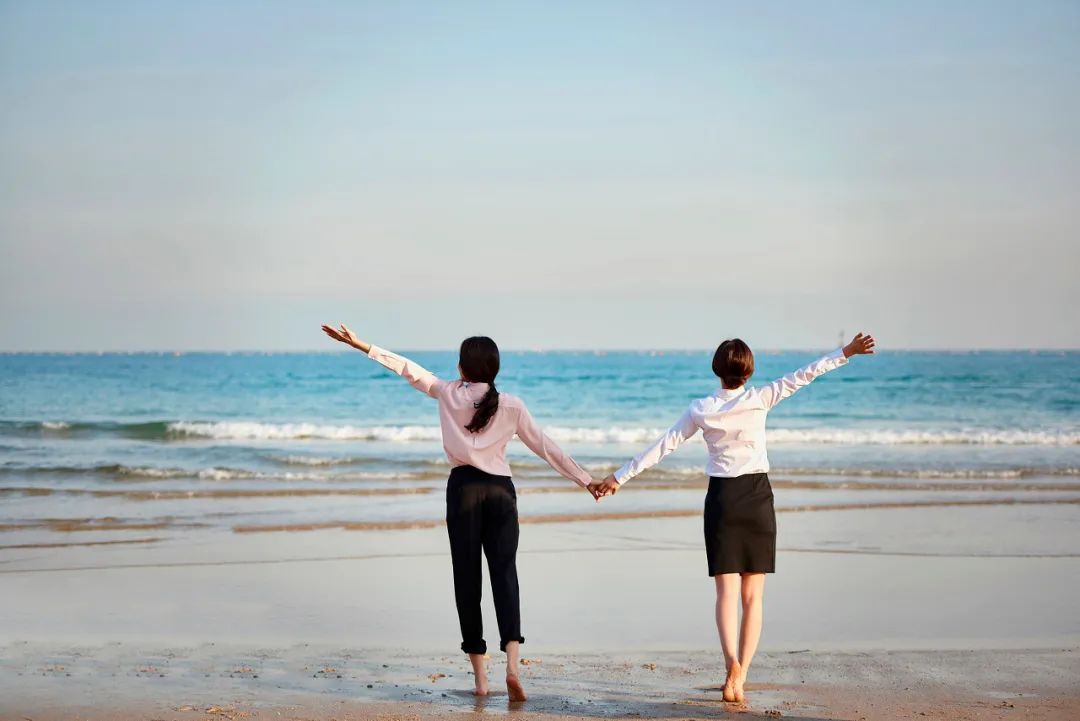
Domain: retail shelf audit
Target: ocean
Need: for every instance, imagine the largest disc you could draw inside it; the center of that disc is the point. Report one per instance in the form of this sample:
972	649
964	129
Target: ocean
123	447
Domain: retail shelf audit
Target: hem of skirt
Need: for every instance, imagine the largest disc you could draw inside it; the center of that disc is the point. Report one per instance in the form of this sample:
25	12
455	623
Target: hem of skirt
502	645
742	570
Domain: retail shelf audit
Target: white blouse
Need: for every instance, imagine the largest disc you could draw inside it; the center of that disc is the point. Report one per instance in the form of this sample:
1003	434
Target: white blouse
733	423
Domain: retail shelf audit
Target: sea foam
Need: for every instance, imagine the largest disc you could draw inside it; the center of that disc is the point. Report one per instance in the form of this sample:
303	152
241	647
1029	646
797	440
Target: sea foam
626	435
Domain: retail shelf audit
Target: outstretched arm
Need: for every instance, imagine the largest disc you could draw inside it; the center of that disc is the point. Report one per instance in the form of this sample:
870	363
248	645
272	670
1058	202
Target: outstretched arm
419	377
538	442
683	429
785	387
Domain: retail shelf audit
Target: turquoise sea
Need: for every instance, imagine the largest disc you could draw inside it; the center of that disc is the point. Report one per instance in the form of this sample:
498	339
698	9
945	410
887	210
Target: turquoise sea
164	442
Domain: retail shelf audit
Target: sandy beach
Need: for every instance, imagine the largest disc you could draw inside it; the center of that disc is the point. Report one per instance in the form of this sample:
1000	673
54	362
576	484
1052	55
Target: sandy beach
873	613
306	682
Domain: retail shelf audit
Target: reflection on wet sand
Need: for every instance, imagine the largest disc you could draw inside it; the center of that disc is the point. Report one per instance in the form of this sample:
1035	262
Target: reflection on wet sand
631	515
110	523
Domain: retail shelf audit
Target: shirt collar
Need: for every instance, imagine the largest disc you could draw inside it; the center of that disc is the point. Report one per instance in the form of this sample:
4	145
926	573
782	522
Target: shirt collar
722	392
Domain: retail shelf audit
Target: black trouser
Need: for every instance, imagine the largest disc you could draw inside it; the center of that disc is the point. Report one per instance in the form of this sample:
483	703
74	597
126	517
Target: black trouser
481	513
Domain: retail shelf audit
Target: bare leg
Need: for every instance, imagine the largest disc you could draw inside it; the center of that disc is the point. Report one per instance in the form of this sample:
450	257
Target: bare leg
479	670
513	683
727	623
753	593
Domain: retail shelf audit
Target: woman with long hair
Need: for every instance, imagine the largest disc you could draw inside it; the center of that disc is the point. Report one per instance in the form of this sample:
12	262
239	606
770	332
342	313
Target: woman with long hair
740	521
477	423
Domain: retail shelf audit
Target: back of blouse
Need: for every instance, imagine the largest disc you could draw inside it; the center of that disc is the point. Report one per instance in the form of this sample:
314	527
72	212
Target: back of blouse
485	450
732	421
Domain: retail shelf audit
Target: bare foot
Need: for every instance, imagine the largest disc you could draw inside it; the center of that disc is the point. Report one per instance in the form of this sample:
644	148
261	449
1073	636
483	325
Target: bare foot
734	672
514	688
740	697
479	670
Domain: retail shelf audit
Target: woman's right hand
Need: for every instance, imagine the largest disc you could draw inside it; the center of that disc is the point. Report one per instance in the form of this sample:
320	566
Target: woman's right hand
346	336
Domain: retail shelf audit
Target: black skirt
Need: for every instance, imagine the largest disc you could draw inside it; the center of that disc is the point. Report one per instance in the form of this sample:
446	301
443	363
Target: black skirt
740	525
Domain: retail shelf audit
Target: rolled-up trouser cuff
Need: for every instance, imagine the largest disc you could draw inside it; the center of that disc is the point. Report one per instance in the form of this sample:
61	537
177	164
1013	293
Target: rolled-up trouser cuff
502	644
475	647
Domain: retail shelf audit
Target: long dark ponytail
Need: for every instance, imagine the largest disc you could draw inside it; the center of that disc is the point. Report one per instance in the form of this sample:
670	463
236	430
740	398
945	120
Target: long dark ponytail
479	362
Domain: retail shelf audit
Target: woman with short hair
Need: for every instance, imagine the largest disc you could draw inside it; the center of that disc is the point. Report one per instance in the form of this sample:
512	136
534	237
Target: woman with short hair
740	521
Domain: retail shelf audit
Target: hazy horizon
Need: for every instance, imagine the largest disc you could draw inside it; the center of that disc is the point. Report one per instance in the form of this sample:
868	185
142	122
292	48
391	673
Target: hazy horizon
504	349
228	176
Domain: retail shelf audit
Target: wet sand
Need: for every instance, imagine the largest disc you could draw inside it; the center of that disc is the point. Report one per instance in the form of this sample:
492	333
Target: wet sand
121	682
964	612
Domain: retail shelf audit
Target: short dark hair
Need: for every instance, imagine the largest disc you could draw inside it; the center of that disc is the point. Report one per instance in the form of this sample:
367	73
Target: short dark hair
733	363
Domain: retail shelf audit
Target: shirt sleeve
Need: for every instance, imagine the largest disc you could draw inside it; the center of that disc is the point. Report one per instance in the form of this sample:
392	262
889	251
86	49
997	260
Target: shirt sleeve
419	377
538	442
683	429
784	387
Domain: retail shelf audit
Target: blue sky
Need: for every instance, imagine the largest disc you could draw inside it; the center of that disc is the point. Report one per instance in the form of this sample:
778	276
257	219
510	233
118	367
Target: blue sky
199	175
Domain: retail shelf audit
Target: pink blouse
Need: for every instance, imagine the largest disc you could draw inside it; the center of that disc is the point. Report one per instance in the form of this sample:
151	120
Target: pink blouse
485	450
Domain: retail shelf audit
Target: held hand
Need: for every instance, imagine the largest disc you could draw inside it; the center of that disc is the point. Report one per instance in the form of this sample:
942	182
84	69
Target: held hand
344	335
862	344
607	487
